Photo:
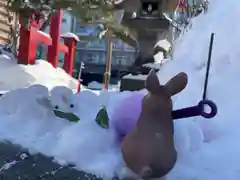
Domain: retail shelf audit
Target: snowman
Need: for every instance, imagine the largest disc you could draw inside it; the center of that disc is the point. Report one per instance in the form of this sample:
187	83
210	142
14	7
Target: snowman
61	99
24	102
36	103
11	101
89	104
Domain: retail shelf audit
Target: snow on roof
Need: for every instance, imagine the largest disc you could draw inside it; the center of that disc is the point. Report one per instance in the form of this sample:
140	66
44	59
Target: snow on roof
70	35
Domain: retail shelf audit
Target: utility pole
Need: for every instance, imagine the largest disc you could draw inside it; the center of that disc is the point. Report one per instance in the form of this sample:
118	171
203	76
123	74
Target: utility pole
107	74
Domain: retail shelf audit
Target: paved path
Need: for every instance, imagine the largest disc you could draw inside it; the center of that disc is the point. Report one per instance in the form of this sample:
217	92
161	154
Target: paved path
17	164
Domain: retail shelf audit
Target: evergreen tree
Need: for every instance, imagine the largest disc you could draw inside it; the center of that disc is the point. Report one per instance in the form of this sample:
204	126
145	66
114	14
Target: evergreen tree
89	11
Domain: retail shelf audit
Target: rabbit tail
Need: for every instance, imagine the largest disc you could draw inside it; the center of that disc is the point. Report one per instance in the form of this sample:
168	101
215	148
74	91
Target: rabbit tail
145	173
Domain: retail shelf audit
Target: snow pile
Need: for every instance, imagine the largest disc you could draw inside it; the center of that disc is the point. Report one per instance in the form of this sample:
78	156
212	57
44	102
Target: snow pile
36	128
219	157
136	77
13	75
94	85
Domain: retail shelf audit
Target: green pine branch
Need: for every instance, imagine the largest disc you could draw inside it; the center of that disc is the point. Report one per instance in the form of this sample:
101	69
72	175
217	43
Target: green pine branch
89	11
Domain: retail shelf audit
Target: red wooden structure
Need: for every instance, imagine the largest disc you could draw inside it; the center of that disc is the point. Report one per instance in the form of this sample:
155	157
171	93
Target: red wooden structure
183	3
31	36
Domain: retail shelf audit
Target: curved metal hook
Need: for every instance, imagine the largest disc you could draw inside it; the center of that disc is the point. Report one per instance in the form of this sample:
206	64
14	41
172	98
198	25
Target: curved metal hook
197	110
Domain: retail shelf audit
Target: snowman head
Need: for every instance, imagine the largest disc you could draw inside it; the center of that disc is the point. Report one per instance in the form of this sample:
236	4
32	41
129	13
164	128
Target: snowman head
61	99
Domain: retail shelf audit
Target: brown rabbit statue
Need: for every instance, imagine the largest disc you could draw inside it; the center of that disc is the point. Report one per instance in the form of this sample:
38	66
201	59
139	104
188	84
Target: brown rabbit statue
148	150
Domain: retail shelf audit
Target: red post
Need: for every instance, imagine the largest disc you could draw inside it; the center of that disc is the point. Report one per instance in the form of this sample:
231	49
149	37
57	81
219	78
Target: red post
55	29
32	48
29	40
24	48
52	55
71	43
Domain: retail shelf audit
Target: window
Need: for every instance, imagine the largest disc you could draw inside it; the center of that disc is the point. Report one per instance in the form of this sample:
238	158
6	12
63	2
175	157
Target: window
92	58
121	60
82	44
117	44
81	29
102	58
124	62
118	61
64	20
114	60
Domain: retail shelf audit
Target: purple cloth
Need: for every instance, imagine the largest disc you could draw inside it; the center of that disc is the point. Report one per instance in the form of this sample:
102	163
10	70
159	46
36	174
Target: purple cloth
126	114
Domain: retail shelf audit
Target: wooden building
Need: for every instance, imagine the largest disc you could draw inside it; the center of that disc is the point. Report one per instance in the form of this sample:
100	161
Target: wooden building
8	23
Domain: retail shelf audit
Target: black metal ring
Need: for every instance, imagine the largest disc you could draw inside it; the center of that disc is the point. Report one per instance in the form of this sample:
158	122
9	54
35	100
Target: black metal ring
212	106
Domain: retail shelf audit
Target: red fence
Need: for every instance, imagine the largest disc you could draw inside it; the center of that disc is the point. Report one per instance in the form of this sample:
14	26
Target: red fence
31	36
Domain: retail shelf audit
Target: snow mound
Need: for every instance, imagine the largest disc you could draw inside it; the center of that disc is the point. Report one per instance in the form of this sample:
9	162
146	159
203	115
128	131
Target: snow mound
220	133
13	75
84	144
95	85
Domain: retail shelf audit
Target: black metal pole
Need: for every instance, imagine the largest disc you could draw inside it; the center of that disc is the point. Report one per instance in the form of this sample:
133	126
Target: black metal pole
208	67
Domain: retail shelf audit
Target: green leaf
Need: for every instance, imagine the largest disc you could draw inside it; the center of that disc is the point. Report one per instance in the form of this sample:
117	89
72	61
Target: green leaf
102	118
68	116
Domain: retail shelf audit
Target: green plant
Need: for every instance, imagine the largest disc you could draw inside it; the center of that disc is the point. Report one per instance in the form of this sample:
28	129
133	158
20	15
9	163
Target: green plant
102	118
68	116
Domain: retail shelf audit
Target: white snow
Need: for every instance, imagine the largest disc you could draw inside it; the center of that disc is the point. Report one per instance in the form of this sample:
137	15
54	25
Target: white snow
70	35
208	149
139	76
164	44
94	85
13	75
8	165
218	157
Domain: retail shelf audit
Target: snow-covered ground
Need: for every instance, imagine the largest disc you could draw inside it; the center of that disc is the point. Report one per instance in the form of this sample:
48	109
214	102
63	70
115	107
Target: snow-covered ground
98	86
208	149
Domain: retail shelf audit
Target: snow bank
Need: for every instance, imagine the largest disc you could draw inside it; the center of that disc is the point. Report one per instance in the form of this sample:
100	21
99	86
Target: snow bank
94	85
219	157
36	128
13	75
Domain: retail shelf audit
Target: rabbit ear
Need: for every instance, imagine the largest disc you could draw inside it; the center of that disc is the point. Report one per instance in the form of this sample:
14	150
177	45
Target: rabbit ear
177	83
152	83
45	102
